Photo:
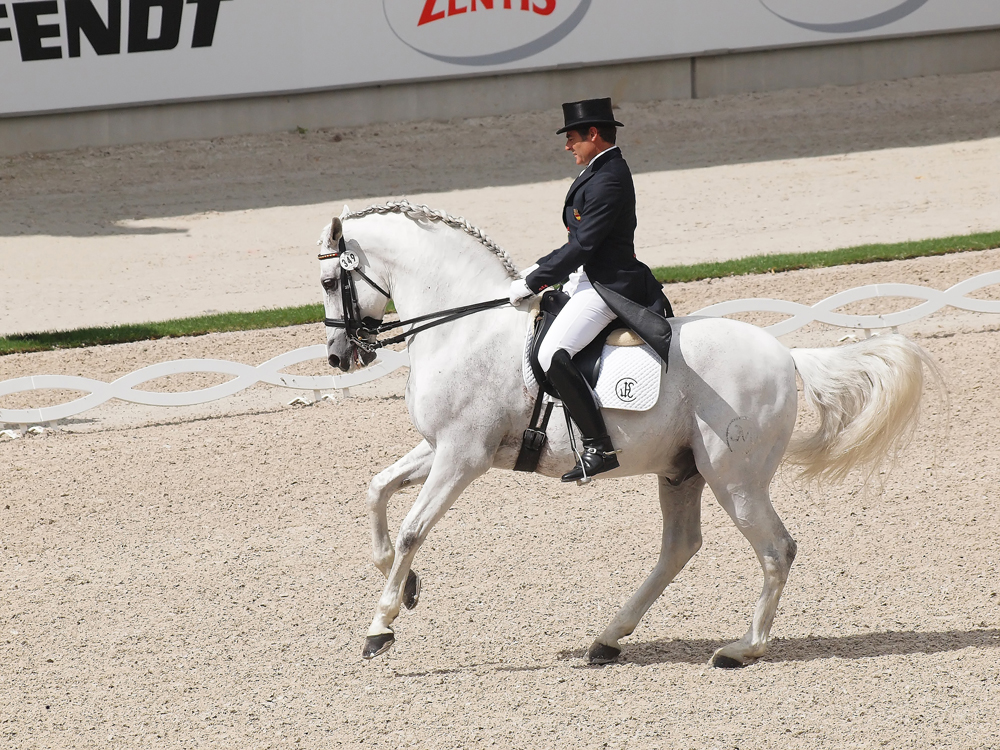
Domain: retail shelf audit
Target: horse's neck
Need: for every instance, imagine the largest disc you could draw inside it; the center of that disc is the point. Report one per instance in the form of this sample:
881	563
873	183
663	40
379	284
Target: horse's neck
437	268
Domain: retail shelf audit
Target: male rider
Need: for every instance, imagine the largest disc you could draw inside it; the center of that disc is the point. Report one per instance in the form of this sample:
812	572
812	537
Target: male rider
599	214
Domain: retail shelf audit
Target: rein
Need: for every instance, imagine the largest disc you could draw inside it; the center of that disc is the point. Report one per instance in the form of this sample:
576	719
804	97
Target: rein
364	332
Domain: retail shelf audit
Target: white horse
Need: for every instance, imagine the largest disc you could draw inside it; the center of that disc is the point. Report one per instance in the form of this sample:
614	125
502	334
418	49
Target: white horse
725	414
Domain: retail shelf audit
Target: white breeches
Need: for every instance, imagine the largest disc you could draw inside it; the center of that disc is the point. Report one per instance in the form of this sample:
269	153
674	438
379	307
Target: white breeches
584	316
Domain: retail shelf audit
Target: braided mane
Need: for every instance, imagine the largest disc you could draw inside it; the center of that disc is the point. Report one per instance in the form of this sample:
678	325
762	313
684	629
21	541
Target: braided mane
418	212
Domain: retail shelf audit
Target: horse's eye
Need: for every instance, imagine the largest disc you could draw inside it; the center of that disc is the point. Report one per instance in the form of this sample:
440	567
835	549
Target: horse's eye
330	285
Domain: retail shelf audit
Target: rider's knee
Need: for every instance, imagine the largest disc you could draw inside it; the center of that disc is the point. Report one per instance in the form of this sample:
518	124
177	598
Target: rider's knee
559	355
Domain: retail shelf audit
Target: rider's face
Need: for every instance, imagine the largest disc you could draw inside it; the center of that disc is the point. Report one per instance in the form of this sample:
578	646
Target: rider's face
584	149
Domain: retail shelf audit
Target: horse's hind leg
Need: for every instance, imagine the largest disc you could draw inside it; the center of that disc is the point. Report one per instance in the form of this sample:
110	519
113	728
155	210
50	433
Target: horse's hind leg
412	468
751	510
681	538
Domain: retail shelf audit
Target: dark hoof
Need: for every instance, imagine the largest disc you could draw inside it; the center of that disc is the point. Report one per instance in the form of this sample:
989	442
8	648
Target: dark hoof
377	644
600	653
726	662
411	592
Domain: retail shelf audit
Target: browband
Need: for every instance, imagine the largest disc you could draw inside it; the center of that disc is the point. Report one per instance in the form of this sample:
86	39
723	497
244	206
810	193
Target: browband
341	248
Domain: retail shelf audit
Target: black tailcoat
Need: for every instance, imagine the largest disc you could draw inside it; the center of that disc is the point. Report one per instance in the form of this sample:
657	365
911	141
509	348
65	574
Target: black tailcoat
599	214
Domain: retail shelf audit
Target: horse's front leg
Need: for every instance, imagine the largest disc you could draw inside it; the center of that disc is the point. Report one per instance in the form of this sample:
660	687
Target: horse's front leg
412	468
452	469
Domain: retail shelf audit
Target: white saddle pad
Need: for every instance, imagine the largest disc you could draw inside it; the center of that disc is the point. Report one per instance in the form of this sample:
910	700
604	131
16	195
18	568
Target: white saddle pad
629	379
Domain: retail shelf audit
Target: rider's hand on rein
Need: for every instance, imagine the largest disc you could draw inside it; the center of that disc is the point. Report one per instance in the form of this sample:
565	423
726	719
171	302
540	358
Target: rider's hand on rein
519	290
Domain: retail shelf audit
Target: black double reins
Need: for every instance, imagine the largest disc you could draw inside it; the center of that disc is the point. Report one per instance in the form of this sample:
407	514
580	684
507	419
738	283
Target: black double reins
364	332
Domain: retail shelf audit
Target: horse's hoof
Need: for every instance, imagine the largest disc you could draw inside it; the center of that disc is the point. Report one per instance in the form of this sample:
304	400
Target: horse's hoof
376	645
601	653
721	661
411	592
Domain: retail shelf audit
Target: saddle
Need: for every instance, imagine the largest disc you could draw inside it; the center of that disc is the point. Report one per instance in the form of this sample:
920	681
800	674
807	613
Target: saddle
588	360
602	351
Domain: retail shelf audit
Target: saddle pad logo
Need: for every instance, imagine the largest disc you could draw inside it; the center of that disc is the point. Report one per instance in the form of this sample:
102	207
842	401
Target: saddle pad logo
630	378
626	389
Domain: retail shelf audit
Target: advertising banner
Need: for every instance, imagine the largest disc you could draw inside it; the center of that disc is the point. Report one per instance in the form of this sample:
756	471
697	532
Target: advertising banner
63	55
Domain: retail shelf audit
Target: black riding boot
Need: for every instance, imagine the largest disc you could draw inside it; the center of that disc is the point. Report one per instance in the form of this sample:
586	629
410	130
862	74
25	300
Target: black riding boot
579	399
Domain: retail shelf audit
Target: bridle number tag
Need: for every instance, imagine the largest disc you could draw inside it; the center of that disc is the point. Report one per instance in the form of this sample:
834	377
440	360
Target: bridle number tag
349	260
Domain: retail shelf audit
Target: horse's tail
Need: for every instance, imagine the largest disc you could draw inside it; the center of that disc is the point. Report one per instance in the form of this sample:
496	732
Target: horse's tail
867	396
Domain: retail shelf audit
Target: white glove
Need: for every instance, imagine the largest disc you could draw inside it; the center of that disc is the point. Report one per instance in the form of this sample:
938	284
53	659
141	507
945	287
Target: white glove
573	282
527	271
518	291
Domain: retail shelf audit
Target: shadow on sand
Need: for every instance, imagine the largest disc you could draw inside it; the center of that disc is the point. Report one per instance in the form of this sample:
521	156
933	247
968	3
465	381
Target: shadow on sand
699	650
859	646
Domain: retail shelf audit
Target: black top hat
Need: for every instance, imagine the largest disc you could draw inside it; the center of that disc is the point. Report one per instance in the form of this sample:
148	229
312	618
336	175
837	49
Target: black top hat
588	112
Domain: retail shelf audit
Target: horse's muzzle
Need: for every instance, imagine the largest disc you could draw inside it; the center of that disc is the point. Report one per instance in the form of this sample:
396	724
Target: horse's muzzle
344	363
360	356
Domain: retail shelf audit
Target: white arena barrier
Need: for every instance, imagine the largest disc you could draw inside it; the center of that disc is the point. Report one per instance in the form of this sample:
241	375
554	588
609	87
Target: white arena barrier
822	311
388	361
245	376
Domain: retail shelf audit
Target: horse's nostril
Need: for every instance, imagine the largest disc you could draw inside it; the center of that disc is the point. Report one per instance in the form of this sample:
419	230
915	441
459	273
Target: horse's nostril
334	360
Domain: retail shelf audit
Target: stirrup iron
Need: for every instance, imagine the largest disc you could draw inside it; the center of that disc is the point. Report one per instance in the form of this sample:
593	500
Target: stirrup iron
598	457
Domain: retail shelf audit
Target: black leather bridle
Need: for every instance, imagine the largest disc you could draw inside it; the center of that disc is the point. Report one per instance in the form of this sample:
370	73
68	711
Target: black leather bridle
363	332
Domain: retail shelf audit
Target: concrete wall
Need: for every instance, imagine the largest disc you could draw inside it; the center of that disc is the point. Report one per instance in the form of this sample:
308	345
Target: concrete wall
434	100
680	78
846	64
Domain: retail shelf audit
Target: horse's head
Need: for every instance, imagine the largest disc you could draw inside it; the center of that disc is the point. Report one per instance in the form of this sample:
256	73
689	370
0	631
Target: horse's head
354	306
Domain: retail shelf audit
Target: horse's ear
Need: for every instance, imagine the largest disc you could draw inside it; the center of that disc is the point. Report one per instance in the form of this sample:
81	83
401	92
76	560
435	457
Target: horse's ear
336	230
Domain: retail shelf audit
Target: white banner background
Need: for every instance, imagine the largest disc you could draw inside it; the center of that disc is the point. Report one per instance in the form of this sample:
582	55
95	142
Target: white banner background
266	46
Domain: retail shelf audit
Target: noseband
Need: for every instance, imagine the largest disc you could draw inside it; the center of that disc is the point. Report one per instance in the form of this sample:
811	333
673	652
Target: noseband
363	332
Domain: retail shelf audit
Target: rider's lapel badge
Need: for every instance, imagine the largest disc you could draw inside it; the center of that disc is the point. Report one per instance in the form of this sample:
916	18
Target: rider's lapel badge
576	214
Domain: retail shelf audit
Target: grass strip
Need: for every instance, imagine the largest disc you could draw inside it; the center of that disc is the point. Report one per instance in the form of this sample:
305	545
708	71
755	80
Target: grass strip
290	316
846	256
238	321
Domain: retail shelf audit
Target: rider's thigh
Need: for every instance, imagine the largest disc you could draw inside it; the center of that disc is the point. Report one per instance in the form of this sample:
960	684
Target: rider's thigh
576	325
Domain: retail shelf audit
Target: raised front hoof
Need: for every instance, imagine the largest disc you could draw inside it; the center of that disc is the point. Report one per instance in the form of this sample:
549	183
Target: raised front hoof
601	653
411	592
376	645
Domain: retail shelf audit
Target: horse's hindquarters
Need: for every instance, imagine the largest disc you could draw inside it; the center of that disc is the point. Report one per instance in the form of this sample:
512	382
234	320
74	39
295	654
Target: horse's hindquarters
727	402
737	384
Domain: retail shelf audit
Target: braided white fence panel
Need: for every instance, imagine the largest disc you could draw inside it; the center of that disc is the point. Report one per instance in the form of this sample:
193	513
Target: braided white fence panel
388	361
822	311
245	376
